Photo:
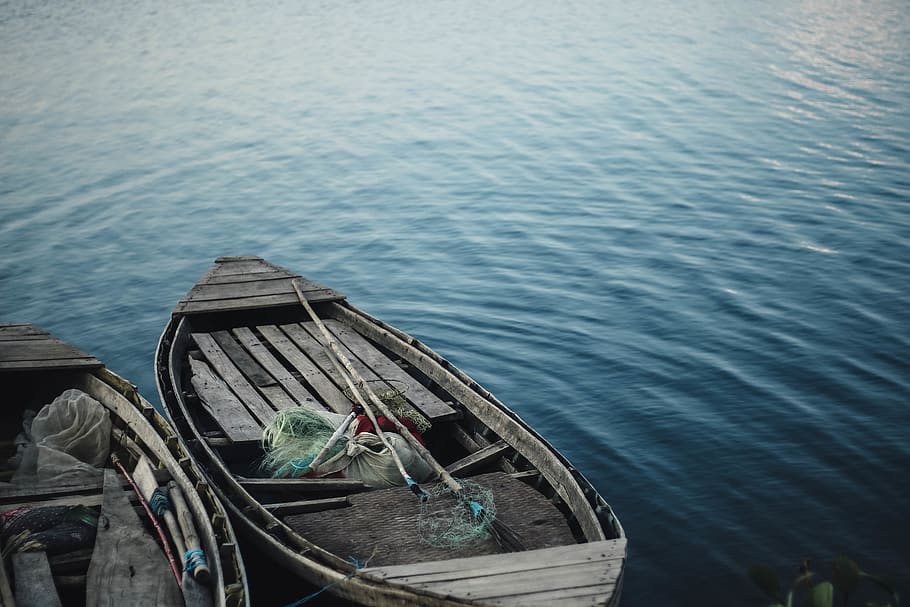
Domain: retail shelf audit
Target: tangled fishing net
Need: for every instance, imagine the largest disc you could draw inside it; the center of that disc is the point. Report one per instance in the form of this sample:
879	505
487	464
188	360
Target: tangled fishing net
293	439
391	393
450	519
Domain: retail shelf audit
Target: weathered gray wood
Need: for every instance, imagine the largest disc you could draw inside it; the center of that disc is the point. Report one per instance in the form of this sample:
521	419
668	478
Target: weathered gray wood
417	394
232	376
480	566
28	347
261	353
249	303
354	532
299	507
486	409
237	290
302	485
6	591
70	500
268	386
598	595
322	385
244	361
128	567
478	459
34	582
221	279
225	408
539	579
18	493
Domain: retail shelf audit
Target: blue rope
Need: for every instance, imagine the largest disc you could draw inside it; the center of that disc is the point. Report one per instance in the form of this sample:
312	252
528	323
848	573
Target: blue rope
194	558
357	565
159	502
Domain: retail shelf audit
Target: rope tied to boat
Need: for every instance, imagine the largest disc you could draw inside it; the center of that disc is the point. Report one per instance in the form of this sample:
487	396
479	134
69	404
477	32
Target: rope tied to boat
193	559
159	503
357	567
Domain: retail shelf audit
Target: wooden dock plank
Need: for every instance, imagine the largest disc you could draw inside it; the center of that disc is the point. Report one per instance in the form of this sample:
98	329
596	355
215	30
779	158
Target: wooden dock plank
226	409
34	581
261	353
127	567
478	459
322	385
234	378
417	394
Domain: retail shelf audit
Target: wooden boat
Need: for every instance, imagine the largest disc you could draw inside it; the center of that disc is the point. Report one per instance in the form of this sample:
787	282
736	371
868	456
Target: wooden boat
74	531
241	348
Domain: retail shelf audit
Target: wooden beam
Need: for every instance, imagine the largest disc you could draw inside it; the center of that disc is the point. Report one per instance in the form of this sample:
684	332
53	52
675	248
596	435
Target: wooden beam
34	581
261	353
301	506
225	408
312	374
478	459
302	485
128	567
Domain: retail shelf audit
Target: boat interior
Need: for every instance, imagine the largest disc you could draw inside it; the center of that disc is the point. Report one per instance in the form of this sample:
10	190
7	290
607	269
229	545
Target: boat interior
252	369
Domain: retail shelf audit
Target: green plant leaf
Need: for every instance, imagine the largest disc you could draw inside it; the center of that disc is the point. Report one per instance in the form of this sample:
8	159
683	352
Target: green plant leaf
765	578
821	595
846	575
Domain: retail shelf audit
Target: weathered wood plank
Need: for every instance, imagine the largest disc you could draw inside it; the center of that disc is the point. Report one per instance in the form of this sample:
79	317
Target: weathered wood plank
61	364
232	376
19	493
127	567
526	582
236	290
299	507
220	279
248	265
354	532
70	500
244	361
570	555
38	349
271	364
252	303
597	595
226	409
514	561
302	485
417	394
478	459
312	374
34	581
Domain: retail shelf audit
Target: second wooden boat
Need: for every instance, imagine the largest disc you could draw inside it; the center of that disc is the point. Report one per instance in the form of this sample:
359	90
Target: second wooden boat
253	344
76	437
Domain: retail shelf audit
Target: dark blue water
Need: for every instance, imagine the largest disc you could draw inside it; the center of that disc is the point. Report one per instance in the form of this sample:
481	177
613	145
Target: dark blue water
674	237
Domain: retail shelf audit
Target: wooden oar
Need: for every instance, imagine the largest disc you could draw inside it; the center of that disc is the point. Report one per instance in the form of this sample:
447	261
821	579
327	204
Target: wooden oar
504	535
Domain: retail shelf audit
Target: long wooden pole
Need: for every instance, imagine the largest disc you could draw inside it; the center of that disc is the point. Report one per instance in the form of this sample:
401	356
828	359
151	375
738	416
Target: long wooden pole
506	537
190	537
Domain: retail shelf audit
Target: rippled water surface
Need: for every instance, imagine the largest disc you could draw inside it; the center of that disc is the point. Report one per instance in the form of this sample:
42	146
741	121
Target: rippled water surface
674	237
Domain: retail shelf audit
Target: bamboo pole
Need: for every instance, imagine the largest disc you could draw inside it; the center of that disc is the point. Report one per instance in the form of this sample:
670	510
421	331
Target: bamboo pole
190	537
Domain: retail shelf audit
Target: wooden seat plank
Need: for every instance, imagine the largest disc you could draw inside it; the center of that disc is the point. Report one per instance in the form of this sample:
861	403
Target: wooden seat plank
478	459
312	374
515	561
225	408
596	595
547	577
233	377
261	353
127	566
417	394
34	581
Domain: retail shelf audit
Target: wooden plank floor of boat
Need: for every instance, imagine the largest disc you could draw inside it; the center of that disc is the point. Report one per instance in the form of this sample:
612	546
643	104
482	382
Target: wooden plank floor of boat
382	525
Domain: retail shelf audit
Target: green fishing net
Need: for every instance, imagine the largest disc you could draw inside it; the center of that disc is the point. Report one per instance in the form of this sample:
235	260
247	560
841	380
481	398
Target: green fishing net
391	393
448	519
293	440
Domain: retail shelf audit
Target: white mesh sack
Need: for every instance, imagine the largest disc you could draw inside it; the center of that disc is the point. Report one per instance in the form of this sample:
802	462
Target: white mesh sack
71	440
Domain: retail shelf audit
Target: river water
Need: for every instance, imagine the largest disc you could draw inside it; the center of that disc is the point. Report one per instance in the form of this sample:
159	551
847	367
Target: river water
673	237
